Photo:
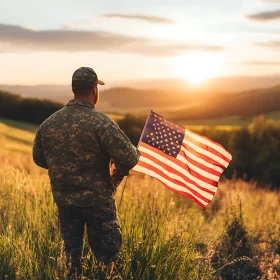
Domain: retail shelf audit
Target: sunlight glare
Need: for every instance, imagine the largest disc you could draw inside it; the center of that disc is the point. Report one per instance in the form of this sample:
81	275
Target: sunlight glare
198	67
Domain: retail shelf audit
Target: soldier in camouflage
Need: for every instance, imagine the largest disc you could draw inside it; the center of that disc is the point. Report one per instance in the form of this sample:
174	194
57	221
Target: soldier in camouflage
76	144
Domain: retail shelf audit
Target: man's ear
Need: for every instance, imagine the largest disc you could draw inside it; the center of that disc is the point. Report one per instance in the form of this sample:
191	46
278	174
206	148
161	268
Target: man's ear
95	90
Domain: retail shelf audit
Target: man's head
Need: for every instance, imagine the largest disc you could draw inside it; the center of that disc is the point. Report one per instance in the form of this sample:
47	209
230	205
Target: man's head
85	84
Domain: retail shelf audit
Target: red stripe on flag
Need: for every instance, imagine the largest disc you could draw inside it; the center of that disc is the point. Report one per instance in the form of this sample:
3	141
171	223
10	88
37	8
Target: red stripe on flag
204	157
207	148
206	138
185	194
173	170
181	164
200	165
176	182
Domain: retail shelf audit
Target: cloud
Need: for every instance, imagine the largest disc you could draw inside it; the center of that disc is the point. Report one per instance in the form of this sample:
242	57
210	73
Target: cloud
151	19
65	40
265	16
76	41
272	1
255	62
269	44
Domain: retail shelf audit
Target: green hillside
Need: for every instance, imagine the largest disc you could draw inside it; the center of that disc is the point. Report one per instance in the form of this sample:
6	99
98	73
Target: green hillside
16	136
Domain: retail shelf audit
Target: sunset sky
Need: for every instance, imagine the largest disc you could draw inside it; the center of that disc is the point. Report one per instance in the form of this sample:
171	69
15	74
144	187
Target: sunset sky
43	42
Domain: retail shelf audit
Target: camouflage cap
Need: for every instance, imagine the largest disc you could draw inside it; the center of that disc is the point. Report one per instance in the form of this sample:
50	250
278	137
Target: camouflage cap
85	77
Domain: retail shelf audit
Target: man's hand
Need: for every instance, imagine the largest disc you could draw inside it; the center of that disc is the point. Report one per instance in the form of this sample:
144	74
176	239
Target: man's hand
116	175
112	169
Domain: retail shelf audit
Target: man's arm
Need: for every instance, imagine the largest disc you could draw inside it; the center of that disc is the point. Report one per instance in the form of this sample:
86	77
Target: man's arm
38	155
123	154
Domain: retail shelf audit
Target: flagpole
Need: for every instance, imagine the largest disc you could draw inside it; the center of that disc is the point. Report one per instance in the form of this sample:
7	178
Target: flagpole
120	203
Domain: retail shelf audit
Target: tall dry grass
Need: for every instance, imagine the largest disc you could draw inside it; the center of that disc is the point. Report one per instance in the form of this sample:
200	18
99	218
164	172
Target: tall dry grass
166	236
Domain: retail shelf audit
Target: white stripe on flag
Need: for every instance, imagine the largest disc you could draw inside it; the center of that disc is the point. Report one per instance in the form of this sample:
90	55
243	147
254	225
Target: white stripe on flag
209	143
201	161
167	182
178	168
176	177
198	170
206	153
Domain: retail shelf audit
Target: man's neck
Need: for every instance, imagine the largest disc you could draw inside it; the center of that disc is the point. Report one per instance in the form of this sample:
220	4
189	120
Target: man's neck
88	99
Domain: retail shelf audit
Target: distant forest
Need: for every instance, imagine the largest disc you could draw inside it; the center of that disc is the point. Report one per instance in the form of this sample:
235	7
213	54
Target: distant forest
31	110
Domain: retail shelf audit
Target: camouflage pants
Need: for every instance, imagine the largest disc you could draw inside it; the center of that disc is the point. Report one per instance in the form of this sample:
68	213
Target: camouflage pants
104	235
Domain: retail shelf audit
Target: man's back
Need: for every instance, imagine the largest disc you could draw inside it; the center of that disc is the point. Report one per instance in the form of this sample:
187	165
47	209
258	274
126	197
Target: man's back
78	143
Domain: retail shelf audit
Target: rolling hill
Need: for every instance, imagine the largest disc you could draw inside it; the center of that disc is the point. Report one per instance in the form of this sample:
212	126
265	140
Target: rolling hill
175	105
244	104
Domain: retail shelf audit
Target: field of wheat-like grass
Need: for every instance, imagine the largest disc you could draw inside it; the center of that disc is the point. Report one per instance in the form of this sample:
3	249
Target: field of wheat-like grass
165	236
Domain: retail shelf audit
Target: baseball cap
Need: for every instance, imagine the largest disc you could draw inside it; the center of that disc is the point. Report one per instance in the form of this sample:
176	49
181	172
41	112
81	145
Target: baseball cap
85	77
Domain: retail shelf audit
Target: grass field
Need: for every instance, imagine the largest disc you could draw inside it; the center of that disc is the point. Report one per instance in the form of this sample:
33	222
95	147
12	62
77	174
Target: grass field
166	236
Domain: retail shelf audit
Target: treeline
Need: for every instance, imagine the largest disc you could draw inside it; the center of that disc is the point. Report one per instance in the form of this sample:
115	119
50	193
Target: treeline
255	149
29	110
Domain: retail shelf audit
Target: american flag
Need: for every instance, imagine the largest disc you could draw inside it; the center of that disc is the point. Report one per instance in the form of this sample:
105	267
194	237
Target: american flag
183	161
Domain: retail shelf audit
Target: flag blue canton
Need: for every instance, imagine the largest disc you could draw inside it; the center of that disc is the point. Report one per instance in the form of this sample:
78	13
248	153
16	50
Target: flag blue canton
163	134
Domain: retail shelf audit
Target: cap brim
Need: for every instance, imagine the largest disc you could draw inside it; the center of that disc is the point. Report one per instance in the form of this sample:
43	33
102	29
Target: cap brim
100	82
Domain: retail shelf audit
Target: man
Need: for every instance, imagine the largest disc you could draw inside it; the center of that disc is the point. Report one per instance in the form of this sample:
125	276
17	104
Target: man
76	144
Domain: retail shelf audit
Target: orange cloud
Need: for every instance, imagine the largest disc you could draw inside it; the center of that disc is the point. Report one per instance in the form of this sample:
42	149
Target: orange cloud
19	38
151	19
265	16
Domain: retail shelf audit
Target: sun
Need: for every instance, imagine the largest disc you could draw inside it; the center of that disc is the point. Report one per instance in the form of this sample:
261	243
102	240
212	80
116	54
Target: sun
197	67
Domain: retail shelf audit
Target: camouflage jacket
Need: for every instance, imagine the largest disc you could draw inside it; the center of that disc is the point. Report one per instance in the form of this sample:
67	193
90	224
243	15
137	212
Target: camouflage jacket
76	145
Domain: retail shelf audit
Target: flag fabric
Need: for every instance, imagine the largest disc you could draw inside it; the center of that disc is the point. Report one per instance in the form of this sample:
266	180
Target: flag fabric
183	161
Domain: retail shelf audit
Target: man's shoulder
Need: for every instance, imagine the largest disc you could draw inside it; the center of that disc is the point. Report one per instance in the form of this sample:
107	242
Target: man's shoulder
104	118
86	117
52	117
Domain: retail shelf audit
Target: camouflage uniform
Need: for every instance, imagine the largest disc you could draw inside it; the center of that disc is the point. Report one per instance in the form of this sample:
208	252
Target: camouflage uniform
76	145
